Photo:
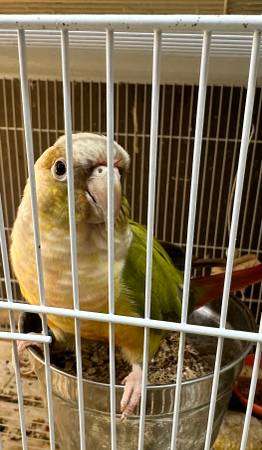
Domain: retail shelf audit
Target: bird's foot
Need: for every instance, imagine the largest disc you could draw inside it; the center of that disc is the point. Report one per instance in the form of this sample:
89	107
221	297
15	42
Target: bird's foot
21	347
27	323
132	391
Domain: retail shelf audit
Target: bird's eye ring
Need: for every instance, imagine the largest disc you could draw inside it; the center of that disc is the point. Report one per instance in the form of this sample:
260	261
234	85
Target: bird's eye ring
59	169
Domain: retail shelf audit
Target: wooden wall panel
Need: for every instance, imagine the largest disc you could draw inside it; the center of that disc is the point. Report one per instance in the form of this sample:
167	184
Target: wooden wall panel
134	6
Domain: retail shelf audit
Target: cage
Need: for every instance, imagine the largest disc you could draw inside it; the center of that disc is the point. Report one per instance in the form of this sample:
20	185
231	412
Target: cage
194	139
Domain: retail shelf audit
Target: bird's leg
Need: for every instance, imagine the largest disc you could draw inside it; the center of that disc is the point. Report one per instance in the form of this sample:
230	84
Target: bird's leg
132	391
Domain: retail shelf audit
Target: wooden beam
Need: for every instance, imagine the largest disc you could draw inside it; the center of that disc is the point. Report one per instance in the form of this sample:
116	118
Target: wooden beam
132	7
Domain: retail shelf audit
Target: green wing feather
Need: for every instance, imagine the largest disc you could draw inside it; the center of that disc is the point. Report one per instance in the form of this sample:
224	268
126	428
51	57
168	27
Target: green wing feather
167	281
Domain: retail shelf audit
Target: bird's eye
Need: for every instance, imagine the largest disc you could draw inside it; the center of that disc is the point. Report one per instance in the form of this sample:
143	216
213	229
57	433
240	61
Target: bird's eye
59	169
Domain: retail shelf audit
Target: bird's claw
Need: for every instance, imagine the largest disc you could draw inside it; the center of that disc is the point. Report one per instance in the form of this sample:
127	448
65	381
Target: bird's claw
132	392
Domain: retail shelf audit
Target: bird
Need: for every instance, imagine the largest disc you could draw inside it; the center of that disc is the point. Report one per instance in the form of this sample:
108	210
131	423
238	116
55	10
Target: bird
90	170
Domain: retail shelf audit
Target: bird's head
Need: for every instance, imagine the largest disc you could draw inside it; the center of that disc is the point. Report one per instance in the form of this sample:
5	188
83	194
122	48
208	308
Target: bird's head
90	179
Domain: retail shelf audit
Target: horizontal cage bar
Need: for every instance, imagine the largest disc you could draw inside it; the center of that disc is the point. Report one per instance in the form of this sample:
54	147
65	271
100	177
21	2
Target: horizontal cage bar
12	336
135	321
133	22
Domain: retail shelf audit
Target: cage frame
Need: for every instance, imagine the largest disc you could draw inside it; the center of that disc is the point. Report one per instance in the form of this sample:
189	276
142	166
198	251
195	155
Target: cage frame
158	24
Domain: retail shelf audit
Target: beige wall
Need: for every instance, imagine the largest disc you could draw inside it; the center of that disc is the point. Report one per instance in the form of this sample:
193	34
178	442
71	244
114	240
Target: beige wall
44	63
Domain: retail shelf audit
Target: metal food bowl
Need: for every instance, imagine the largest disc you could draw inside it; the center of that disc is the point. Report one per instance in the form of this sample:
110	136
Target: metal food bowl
195	396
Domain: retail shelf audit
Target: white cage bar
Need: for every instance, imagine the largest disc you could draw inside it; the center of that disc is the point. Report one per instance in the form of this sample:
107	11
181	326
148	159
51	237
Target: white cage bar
12	327
157	25
234	223
124	22
31	171
72	223
191	223
126	320
110	225
150	221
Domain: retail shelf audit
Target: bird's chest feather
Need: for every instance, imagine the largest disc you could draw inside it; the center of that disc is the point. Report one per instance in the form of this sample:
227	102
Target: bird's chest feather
56	257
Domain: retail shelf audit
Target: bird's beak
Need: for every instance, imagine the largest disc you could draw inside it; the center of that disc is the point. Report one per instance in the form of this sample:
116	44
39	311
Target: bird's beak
97	190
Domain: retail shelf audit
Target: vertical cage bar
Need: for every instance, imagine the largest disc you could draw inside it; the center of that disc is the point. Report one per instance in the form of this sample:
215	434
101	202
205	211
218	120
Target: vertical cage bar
191	223
178	156
116	133
39	119
9	296
213	176
134	158
202	189
251	172
47	113
160	153
91	106
10	167
55	108
142	156
252	391
37	240
2	179
82	105
186	176
110	223
72	92
16	143
247	199
231	182
99	108
150	221
251	235
126	127
170	142
223	172
72	225
234	223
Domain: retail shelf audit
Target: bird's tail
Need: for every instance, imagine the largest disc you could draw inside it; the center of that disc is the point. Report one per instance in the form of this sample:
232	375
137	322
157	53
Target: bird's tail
205	289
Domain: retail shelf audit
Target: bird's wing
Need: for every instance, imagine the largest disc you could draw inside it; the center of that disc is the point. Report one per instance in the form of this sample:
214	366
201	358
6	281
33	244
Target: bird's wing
166	279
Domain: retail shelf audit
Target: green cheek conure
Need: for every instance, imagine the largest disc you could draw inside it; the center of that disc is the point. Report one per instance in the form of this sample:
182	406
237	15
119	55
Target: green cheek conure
90	180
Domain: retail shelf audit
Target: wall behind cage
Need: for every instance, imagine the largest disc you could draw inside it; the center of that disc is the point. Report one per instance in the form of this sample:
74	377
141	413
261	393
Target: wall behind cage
221	144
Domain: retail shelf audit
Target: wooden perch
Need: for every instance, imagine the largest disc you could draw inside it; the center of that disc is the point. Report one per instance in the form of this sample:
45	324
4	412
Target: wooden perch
243	262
